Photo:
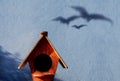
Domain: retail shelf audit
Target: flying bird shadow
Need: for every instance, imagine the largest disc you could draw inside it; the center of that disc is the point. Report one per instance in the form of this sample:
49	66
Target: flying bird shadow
93	16
65	20
79	26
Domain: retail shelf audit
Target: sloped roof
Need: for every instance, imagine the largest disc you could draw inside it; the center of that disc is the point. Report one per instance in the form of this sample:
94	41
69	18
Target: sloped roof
44	34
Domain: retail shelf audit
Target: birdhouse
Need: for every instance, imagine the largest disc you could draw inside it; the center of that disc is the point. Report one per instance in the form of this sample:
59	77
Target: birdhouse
43	60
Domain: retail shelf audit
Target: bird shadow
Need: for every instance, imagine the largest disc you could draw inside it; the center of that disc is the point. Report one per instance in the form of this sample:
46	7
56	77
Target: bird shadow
64	20
79	26
84	14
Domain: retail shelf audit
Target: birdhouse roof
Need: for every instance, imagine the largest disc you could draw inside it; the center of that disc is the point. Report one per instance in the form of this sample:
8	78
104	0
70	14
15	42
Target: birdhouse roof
44	35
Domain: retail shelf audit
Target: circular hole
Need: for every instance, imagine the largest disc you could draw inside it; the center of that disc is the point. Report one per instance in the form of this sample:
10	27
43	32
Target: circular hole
43	62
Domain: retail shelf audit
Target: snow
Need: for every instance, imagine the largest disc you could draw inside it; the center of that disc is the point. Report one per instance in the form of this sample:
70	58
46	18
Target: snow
91	53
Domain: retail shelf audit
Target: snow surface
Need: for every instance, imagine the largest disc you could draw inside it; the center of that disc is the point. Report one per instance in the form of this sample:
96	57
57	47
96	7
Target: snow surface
91	53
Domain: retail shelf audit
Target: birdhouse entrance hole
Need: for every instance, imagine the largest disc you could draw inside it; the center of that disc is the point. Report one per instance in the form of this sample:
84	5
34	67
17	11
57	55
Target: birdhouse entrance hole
43	62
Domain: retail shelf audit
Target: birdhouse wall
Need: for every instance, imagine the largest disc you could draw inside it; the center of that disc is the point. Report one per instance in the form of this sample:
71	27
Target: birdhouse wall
43	47
45	78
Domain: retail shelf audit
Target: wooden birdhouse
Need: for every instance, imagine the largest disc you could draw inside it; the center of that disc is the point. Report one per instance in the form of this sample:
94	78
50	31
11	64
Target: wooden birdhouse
43	60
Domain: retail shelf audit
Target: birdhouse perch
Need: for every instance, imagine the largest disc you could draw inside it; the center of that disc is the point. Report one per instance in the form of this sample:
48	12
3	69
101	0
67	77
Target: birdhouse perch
43	60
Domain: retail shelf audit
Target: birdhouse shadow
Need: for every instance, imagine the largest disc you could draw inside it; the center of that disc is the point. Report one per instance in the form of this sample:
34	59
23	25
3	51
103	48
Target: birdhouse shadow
57	79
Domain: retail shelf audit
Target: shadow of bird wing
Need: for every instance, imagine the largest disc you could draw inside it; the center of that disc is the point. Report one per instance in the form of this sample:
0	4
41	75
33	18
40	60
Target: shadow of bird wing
80	26
100	17
71	18
65	21
74	26
81	10
61	19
